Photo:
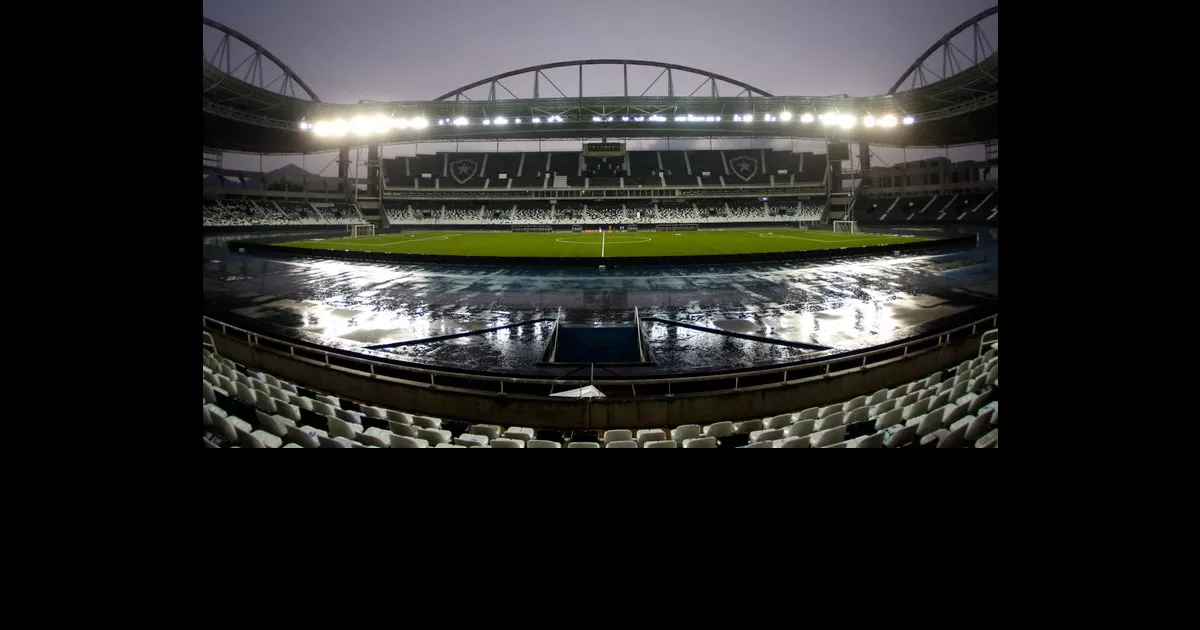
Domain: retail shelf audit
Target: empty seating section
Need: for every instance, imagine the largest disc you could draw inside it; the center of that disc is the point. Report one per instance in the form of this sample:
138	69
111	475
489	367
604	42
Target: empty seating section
812	167
975	208
643	164
604	167
953	408
564	164
705	162
239	212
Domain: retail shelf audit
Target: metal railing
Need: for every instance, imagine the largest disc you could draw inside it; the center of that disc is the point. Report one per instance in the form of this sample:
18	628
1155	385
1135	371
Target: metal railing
494	385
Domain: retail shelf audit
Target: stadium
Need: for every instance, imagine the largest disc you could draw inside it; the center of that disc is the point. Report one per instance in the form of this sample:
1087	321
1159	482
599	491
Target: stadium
590	253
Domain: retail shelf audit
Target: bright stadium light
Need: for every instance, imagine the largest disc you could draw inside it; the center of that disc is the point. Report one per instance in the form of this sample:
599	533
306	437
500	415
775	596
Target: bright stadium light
846	121
381	124
403	123
486	121
624	119
785	116
441	121
419	123
361	126
658	118
303	126
887	121
639	119
868	121
829	118
500	120
806	118
747	117
460	121
908	120
518	121
537	120
596	119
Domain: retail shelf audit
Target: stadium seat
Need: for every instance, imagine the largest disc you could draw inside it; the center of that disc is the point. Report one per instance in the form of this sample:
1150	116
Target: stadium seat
860	414
258	439
991	440
427	422
777	422
929	422
854	403
800	429
759	445
661	444
406	430
543	444
877	397
505	442
524	434
401	441
874	440
445	445
304	436
273	424
811	413
766	435
434	436
827	437
829	410
793	442
332	401
836	419
300	401
883	407
649	435
686	432
398	417
575	444
747	427
471	440
718	429
621	444
900	436
700	442
490	431
617	435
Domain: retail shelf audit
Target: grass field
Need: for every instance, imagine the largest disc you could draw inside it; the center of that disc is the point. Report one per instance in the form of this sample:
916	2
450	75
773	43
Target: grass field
603	245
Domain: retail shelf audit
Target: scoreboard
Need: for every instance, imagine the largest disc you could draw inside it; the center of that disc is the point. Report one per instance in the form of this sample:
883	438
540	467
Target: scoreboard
604	149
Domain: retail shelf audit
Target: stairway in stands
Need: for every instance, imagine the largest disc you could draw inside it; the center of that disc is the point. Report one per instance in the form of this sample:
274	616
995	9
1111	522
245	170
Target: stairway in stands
560	181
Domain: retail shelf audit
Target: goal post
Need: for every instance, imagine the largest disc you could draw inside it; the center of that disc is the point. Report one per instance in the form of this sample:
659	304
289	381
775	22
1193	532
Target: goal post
362	229
848	227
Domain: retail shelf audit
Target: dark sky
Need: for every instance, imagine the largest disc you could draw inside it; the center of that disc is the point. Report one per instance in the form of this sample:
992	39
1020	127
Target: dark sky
388	50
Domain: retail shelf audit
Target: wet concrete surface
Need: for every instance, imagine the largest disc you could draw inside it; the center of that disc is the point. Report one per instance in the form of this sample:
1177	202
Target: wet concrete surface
840	304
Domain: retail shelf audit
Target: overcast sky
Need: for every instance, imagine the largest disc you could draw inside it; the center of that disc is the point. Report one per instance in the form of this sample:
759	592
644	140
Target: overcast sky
393	50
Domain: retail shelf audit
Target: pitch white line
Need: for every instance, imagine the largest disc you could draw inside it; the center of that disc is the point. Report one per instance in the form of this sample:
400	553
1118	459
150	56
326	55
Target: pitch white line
602	244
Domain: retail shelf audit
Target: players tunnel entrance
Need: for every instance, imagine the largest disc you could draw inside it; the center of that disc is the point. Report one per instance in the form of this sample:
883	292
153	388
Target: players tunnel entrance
611	344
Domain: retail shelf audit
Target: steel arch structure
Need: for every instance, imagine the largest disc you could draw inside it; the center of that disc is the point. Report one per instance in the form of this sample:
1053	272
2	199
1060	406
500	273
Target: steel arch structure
224	64
917	69
667	68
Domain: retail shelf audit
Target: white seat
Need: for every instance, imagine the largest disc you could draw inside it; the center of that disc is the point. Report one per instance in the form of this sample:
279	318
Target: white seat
273	424
523	434
893	417
749	426
830	421
403	441
434	436
305	436
898	392
933	379
701	442
914	410
686	432
260	386
952	439
954	413
341	428
875	440
621	444
861	414
812	413
877	397
941	400
277	392
288	387
543	444
854	403
650	435
759	445
246	394
258	439
490	431
927	394
930	422
991	440
583	445
617	435
287	410
209	395
908	399
505	442
766	435
444	445
661	444
933	439
800	429
827	437
777	422
829	410
407	430
324	409
292	445
300	401
793	442
471	440
374	413
372	438
264	402
332	401
979	401
978	426
353	417
221	425
427	422
960	390
398	417
883	407
992	375
945	386
900	436
838	445
718	429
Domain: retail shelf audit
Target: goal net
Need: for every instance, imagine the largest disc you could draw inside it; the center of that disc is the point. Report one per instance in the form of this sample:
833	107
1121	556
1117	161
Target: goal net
367	229
849	227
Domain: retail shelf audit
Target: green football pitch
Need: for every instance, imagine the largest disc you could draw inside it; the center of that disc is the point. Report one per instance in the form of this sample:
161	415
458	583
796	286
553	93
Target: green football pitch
602	245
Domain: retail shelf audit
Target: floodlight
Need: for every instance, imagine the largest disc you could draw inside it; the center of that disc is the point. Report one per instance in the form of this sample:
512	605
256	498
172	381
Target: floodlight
785	116
846	121
419	123
748	118
596	119
460	121
887	121
403	123
908	120
486	121
518	121
360	126
380	124
537	120
303	126
500	120
806	118
829	118
868	121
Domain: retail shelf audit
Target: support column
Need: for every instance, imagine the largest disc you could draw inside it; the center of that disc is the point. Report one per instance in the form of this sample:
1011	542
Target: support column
344	186
864	166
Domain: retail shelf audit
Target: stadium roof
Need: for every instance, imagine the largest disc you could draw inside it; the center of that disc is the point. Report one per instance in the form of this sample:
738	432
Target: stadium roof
246	112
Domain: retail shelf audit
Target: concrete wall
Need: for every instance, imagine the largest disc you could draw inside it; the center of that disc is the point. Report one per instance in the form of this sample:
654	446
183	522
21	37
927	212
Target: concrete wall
607	413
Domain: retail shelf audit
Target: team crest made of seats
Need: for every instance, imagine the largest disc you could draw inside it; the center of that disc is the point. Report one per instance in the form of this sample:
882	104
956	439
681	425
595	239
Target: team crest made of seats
462	170
744	167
